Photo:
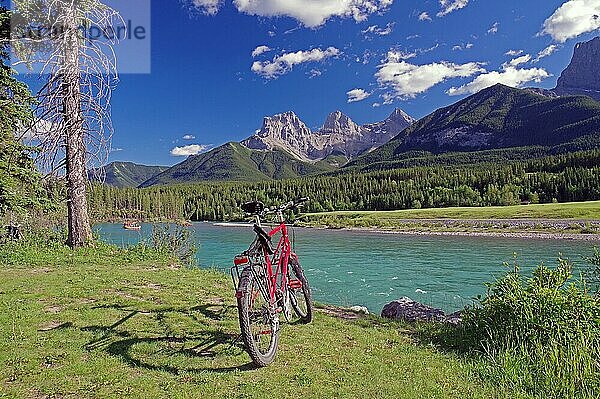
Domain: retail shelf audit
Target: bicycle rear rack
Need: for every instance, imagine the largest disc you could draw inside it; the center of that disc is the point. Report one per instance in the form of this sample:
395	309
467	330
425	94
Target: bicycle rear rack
235	270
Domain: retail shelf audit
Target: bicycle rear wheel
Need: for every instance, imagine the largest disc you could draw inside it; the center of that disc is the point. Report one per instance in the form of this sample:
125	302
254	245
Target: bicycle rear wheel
259	322
300	295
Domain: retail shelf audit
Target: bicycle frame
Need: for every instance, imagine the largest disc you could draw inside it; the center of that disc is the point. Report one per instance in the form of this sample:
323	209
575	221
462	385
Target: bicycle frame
276	265
282	256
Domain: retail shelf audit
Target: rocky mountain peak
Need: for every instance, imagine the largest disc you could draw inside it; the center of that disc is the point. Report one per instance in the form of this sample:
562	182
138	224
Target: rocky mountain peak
400	116
287	120
339	135
337	121
582	76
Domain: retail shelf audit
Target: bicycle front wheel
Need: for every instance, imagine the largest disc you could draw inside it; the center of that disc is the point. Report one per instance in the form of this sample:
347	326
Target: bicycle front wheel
300	295
258	320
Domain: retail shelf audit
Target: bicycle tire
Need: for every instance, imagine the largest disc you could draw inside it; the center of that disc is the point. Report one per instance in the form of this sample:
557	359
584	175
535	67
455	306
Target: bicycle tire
305	315
248	313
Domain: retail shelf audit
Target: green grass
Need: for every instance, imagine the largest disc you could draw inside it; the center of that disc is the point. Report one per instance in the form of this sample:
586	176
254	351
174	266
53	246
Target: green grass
572	210
109	323
565	218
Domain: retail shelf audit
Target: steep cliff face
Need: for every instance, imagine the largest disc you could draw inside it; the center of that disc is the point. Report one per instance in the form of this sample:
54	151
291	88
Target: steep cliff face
582	76
285	131
339	135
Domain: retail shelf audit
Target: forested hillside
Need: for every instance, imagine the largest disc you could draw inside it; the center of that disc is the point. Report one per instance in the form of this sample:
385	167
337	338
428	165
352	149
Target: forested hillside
560	178
125	174
498	117
233	161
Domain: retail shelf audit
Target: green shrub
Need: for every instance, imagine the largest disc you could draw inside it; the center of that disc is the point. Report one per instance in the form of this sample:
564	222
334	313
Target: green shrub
173	240
539	334
592	275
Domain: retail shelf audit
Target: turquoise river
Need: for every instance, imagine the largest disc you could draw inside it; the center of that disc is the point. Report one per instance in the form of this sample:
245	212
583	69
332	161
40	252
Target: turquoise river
371	269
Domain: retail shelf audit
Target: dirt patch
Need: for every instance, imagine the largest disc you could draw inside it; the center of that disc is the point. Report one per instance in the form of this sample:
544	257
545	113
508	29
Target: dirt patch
54	325
125	295
42	270
341	313
53	309
214	301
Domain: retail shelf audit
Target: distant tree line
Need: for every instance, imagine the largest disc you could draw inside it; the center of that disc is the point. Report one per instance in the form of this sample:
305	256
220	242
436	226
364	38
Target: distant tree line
560	178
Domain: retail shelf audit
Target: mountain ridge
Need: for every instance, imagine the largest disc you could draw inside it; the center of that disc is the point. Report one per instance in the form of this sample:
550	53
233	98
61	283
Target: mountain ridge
235	162
339	135
496	117
125	174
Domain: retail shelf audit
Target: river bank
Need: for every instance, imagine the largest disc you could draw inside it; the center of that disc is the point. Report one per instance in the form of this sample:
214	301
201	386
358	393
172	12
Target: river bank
490	234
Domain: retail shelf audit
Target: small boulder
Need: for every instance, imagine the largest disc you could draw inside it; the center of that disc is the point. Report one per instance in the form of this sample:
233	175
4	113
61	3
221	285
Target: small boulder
360	309
408	310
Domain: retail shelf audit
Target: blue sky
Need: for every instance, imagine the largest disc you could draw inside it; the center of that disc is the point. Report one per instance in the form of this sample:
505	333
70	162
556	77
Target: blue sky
206	84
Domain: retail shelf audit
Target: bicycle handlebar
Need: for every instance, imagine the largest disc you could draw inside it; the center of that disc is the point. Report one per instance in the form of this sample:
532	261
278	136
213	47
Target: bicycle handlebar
289	205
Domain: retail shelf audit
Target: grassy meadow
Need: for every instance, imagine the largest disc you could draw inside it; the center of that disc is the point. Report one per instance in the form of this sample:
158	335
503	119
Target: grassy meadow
109	323
574	217
569	210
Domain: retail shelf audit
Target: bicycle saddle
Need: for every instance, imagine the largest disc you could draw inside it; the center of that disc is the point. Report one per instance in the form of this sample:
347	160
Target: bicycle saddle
253	207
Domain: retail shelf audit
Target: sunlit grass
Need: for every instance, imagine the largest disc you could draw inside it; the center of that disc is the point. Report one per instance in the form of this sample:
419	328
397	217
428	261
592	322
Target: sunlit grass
571	210
110	323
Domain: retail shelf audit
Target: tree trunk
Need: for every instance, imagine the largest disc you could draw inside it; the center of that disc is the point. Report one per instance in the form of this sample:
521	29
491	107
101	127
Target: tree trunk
80	233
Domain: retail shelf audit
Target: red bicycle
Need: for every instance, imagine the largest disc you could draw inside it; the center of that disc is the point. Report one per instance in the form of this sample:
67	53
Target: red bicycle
270	283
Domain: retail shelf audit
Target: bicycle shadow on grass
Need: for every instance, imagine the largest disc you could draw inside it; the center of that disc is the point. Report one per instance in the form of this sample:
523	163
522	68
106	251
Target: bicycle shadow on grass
151	343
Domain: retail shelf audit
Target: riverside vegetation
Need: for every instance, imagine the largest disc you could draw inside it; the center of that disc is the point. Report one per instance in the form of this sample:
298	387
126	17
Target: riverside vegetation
553	179
132	322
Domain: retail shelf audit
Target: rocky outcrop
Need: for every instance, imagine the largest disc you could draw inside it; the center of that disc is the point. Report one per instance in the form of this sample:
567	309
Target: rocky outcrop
285	131
339	135
582	76
408	310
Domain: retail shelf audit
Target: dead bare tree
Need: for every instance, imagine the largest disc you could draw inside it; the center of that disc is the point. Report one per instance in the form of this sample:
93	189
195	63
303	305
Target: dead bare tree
73	127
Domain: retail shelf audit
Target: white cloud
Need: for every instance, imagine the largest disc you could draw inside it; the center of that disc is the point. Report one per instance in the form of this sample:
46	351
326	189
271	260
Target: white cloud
313	13
572	19
397	56
357	95
494	29
260	50
428	50
407	80
186	151
284	63
424	16
517	61
509	76
314	73
449	6
39	131
208	7
376	30
459	47
189	137
548	51
513	53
